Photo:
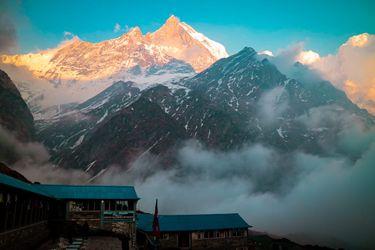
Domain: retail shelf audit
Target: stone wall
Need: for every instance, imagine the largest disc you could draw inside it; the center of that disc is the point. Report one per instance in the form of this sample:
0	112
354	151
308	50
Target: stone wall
27	237
229	242
220	243
224	239
170	242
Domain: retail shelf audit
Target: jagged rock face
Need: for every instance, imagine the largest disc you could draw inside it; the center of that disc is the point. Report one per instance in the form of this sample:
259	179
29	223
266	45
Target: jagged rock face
69	130
83	61
15	116
129	133
198	50
238	100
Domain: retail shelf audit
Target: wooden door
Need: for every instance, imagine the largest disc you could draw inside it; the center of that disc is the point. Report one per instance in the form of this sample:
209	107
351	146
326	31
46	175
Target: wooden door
184	240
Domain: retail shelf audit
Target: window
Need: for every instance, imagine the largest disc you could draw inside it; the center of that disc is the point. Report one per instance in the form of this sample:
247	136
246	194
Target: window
131	205
84	205
209	234
237	233
106	205
227	234
112	205
222	234
76	206
90	205
97	205
199	236
122	205
165	236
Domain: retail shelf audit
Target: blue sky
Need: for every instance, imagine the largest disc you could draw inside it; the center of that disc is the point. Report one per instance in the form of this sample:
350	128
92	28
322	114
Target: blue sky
321	25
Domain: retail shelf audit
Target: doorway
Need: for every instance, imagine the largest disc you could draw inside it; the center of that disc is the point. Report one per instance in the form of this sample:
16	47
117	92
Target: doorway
184	240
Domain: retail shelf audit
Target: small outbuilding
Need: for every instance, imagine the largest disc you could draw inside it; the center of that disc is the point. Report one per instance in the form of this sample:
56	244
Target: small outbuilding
201	231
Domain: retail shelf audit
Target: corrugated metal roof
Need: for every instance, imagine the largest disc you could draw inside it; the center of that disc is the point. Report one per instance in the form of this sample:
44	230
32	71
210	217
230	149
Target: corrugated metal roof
73	191
90	192
13	182
199	222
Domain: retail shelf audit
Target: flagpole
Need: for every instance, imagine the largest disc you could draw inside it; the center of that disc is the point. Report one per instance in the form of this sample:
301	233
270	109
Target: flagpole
156	226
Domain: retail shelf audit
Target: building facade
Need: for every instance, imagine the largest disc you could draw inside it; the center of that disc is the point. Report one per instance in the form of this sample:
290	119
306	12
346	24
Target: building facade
31	213
204	231
28	210
24	214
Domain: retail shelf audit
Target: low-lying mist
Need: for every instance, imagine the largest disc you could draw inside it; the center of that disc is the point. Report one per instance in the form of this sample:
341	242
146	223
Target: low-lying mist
32	160
327	199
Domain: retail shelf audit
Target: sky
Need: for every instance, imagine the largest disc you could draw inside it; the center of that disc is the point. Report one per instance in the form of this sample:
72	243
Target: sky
321	25
331	198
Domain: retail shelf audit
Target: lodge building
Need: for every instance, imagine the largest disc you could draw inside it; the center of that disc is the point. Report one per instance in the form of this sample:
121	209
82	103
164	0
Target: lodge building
32	213
202	231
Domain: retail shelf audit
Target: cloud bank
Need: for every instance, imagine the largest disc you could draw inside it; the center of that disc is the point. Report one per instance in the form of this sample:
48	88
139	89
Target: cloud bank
310	198
327	199
8	35
31	159
351	69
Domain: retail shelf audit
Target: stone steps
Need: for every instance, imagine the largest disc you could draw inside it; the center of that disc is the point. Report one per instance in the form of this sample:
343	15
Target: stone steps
77	244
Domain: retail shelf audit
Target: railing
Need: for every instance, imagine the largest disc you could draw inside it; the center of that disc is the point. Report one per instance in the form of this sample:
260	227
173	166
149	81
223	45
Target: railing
107	215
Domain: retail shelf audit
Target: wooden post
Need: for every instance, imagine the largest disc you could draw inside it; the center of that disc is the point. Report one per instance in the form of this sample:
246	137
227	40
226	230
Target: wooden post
15	210
67	210
22	211
6	214
101	213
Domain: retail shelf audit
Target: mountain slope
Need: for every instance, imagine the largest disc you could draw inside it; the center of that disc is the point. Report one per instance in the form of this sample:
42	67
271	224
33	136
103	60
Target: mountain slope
272	107
55	80
67	131
14	113
140	128
238	100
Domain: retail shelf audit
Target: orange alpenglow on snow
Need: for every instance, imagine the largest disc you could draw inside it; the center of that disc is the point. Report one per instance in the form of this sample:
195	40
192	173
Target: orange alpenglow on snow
350	69
79	60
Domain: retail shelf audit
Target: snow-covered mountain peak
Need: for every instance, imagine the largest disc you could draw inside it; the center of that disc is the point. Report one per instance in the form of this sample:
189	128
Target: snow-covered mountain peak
135	32
70	42
77	69
198	50
216	49
79	60
172	20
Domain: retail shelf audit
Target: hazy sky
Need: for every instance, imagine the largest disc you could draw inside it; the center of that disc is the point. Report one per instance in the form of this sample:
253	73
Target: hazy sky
322	25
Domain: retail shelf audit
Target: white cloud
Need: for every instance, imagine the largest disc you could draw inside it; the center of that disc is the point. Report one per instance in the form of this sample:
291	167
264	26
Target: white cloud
307	57
120	29
272	104
351	69
266	52
287	194
68	35
117	28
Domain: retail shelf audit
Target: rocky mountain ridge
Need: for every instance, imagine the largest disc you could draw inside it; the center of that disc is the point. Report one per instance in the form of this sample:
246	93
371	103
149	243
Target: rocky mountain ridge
239	100
77	60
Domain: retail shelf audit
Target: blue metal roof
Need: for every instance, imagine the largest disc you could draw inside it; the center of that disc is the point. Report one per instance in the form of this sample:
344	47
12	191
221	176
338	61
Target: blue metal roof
67	192
73	191
13	182
199	222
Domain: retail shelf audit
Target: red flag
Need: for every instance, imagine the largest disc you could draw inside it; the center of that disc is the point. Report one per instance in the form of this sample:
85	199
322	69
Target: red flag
155	223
